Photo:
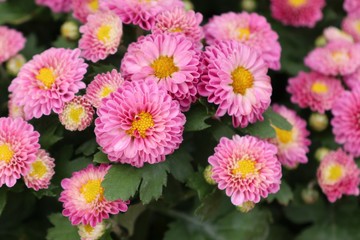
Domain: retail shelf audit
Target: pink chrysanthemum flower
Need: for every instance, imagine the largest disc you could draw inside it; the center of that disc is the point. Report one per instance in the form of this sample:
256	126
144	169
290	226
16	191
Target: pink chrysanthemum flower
102	86
56	5
83	197
18	147
101	36
11	42
15	111
139	123
41	171
182	21
171	60
351	25
314	90
250	29
297	13
338	174
292	145
77	114
246	167
236	80
48	81
345	123
333	34
87	232
140	13
335	58
352	6
353	80
83	8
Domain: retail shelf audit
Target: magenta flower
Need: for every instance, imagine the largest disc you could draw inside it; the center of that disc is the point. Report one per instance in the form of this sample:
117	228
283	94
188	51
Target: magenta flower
56	5
352	6
351	25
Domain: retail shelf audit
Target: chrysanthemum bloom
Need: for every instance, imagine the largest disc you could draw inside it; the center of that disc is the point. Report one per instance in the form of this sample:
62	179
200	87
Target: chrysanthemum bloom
248	28
41	171
11	42
338	175
236	80
100	36
83	197
353	80
297	13
140	13
292	145
337	58
171	60
352	6
351	25
180	20
49	80
88	232
314	90
102	86
18	147
345	123
83	8
15	111
77	114
139	123
246	167
56	5
333	34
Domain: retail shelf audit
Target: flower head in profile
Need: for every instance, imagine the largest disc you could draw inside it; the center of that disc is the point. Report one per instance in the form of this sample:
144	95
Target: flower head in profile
235	79
336	58
333	34
18	147
297	13
351	25
100	36
11	42
250	29
102	86
338	175
139	123
181	21
77	114
141	13
15	111
41	171
314	90
48	81
83	8
345	123
83	197
87	232
171	60
56	5
353	80
352	6
246	167
292	145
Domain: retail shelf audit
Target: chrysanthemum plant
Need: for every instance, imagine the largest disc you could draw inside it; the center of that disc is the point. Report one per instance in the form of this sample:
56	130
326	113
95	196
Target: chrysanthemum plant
127	119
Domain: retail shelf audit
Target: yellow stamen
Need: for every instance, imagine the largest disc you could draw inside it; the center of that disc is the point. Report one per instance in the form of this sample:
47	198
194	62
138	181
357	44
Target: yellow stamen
164	66
319	88
46	76
88	228
283	136
244	167
357	25
141	123
76	113
244	33
340	56
6	153
334	172
103	33
38	169
242	80
93	5
297	3
105	91
92	190
177	29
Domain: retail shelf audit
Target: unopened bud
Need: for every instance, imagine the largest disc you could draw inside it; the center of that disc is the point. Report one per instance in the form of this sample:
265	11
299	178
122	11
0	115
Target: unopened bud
246	206
14	64
320	41
188	5
318	122
70	30
248	5
309	195
320	153
88	232
207	175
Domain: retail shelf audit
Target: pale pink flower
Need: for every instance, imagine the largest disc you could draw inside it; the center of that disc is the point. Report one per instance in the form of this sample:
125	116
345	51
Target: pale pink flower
56	5
15	111
351	25
352	6
83	8
11	42
333	34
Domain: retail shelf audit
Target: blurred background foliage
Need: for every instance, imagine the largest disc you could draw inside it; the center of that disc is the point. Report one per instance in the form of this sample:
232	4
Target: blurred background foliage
179	202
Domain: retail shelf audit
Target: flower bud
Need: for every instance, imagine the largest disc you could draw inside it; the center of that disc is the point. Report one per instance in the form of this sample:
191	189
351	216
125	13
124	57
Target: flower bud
320	153
188	5
246	207
318	122
309	195
248	5
70	30
14	64
207	175
320	41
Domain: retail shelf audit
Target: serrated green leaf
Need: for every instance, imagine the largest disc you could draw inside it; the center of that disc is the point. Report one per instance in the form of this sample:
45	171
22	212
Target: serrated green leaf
128	219
3	198
62	230
52	191
261	129
177	231
195	119
49	138
17	11
31	47
277	120
100	157
121	182
283	196
198	183
102	68
154	178
179	164
62	42
87	148
220	130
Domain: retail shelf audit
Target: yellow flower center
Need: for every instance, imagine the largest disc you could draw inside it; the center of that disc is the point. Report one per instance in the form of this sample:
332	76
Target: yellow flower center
243	33
105	91
103	33
38	169
6	153
88	228
297	3
141	123
175	30
283	136
334	172
244	167
76	113
164	66
47	77
93	5
357	25
242	80
319	88
92	190
340	56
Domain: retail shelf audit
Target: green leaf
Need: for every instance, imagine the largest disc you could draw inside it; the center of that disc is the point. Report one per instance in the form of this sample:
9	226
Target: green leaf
62	230
49	138
52	191
17	11
3	198
121	182
154	178
283	196
31	47
301	213
198	183
62	42
101	157
195	119
220	130
88	148
178	231
102	68
179	164
277	120
128	219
